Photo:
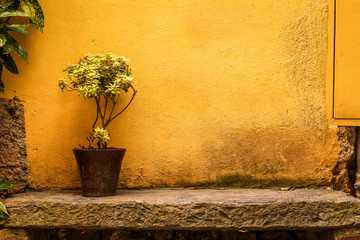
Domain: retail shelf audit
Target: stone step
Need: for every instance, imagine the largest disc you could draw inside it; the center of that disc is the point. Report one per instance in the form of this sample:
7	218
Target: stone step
230	209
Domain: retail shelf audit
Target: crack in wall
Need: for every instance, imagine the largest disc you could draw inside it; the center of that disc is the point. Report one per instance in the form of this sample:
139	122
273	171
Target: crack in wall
345	169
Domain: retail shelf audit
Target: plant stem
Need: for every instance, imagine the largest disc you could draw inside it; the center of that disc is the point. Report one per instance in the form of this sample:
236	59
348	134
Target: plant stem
113	107
90	140
97	115
112	118
106	103
99	110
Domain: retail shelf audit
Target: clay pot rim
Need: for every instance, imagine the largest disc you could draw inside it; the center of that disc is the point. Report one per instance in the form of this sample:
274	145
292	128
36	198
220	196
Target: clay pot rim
99	149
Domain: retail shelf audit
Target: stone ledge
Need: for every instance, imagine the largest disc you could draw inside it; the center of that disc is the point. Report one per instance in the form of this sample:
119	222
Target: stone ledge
234	209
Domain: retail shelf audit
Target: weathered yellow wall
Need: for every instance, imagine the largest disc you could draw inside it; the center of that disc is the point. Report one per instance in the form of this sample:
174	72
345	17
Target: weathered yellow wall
231	93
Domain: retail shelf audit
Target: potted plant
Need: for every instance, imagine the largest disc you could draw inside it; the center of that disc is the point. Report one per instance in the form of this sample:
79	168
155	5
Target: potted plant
101	77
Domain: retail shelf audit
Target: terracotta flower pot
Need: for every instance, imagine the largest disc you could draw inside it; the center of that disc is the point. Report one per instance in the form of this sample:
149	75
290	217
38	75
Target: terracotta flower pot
99	170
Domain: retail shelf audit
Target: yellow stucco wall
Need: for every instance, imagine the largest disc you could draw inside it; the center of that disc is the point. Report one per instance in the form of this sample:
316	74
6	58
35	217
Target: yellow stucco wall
230	93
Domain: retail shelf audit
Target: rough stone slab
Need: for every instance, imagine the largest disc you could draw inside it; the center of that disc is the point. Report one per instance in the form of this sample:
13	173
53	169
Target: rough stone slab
13	234
235	209
13	157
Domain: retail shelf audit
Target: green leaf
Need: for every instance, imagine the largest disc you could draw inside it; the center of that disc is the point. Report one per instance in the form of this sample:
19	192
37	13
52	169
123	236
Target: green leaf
10	65
7	46
3	211
33	9
4	183
2	39
11	13
6	3
11	43
19	28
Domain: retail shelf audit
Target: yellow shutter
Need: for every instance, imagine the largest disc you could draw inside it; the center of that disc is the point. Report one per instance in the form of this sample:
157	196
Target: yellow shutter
344	59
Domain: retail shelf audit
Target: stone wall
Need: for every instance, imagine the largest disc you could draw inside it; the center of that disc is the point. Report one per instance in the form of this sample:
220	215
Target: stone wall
13	161
67	234
344	171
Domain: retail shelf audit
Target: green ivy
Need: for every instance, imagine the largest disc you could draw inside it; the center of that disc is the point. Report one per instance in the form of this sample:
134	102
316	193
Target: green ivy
3	211
4	184
16	8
